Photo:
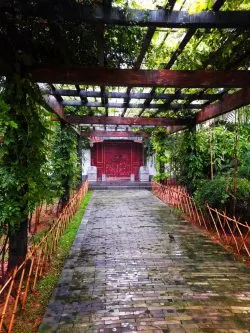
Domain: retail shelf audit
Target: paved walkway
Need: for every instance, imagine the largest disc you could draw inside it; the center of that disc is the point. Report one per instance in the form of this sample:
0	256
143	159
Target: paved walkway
135	267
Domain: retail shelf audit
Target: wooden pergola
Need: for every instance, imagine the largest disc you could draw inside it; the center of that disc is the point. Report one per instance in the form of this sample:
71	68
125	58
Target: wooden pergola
145	96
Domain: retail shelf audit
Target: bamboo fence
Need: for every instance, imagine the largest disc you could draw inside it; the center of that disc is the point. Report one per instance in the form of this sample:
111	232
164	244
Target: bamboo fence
14	293
229	232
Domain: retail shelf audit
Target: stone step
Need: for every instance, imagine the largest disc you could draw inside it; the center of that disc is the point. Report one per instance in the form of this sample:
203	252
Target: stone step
116	185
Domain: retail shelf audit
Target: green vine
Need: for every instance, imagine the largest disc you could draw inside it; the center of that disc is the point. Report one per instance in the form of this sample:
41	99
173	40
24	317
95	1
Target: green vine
64	159
24	129
159	143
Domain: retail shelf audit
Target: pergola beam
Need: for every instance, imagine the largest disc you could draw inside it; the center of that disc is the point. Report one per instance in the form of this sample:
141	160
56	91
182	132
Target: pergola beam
100	28
78	93
218	4
79	13
114	94
143	78
142	121
227	104
115	134
190	33
231	65
144	49
55	106
130	105
172	60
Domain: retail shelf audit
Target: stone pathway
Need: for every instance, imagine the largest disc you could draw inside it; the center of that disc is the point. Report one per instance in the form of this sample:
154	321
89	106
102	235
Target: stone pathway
134	267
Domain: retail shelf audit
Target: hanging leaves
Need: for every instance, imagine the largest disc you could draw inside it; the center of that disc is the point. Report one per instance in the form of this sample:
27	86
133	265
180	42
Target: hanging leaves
200	5
24	127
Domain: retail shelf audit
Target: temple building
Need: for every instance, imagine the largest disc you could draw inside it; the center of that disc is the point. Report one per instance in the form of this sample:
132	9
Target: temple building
118	157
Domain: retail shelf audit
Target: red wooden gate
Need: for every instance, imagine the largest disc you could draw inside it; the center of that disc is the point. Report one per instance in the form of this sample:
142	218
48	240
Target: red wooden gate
117	159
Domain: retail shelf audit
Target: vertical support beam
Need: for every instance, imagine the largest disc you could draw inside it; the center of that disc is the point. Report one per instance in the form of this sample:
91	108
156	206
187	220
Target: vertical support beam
83	99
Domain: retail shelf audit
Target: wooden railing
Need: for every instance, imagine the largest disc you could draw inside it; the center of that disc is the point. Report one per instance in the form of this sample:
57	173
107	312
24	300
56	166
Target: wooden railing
229	232
14	293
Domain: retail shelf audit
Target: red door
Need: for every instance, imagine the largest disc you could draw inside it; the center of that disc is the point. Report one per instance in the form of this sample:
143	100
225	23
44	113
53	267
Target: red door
117	159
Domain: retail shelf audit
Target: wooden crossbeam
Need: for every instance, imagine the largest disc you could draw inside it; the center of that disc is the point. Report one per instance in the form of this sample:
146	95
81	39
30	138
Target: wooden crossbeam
115	134
145	45
79	13
216	6
100	28
143	121
77	93
227	104
114	94
150	33
143	78
55	106
144	48
172	60
161	107
230	65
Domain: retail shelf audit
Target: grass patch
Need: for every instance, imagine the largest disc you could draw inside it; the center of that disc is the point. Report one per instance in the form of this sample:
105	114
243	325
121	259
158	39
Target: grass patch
35	239
28	321
176	211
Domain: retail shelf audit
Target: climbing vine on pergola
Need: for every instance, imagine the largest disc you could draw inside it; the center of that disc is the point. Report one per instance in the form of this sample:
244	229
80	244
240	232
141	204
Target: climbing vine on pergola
115	66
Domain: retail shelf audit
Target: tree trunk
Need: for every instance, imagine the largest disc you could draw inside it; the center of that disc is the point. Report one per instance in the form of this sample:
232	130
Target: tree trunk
18	244
66	193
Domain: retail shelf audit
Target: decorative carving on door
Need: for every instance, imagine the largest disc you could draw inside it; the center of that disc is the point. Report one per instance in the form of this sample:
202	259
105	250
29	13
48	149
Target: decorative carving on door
117	158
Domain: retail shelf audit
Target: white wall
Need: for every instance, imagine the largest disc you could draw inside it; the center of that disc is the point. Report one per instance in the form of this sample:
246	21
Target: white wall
86	161
150	163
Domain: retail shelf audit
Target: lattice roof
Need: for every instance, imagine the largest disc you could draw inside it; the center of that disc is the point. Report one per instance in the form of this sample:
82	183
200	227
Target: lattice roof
72	48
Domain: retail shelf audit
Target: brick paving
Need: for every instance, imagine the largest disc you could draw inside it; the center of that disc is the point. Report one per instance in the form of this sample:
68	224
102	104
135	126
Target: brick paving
135	267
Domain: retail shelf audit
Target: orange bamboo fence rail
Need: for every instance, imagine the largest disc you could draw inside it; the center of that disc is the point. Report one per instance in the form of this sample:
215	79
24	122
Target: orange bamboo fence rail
229	232
14	292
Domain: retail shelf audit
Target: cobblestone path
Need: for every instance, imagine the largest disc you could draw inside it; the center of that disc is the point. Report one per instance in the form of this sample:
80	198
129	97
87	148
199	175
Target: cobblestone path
134	267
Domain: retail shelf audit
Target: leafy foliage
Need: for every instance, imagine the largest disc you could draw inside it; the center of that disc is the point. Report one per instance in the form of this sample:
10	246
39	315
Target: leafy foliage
219	193
198	6
191	153
64	161
186	162
159	145
244	169
122	45
61	37
24	128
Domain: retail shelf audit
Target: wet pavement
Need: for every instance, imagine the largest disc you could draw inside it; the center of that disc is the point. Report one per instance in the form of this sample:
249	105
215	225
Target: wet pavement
135	267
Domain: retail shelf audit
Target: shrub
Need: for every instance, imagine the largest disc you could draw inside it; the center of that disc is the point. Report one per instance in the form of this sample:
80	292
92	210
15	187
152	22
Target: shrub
244	169
161	177
219	194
